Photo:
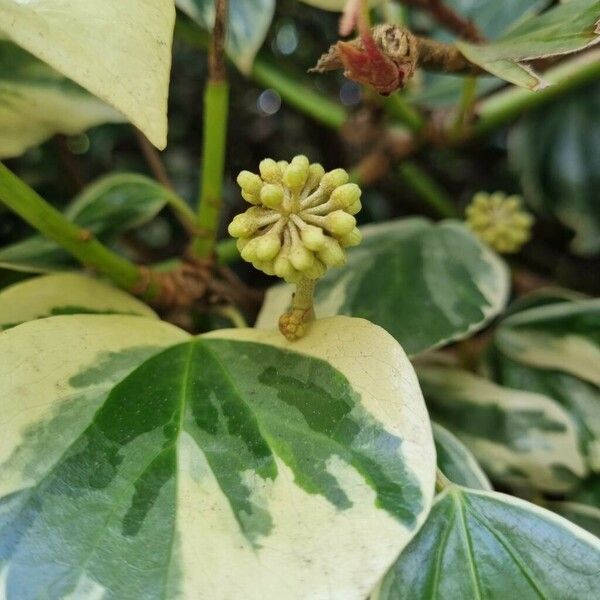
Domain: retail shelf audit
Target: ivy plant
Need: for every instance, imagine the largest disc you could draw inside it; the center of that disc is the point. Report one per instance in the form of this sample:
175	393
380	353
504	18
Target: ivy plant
399	405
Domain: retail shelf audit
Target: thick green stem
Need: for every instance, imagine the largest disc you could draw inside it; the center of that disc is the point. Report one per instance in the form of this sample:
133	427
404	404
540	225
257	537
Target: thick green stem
216	108
293	323
427	189
25	202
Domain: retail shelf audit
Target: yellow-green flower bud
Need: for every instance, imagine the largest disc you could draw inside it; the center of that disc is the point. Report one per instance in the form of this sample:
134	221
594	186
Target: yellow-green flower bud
242	226
332	254
268	246
333	179
296	174
345	195
340	223
270	171
249	253
354	238
499	221
313	237
301	257
250	198
317	270
271	195
354	208
250	183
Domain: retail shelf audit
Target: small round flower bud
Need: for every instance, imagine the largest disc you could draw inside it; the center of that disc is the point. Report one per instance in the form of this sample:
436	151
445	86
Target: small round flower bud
250	198
312	237
354	208
250	183
332	254
334	179
271	195
345	195
301	258
499	221
270	171
241	243
296	174
249	250
317	270
242	226
315	174
266	266
354	238
268	246
340	223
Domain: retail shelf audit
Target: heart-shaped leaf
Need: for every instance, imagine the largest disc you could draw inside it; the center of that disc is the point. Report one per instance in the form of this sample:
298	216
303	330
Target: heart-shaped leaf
456	461
119	51
520	438
554	350
249	21
426	284
64	294
36	102
478	544
566	28
108	207
556	153
233	463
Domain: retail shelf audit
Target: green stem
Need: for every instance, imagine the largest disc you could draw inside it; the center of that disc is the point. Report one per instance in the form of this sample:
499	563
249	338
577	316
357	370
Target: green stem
427	189
400	109
25	202
216	108
466	105
182	209
227	251
507	105
298	94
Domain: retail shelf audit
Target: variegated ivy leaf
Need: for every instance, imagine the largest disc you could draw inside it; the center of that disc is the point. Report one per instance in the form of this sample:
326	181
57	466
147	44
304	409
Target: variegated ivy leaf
555	350
233	464
563	336
478	544
249	22
64	294
118	51
567	28
584	515
108	207
456	461
36	102
520	438
426	284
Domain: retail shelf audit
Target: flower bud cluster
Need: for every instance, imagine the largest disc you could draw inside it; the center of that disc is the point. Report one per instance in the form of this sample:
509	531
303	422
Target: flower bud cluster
301	218
500	221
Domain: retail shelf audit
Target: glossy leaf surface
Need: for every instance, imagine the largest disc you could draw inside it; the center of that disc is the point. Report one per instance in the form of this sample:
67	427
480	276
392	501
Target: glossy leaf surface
491	546
426	284
233	461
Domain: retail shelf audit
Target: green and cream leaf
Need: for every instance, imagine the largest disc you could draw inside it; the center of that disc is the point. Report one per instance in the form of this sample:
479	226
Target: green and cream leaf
65	294
520	438
426	284
583	515
235	454
478	544
36	102
119	51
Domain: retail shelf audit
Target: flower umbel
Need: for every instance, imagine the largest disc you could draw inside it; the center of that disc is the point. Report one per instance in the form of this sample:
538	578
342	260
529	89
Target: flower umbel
301	220
500	221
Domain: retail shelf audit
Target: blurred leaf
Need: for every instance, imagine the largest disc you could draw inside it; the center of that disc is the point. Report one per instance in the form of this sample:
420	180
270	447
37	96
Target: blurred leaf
554	350
456	462
118	51
520	438
426	284
65	294
36	102
556	152
249	21
564	29
492	546
108	207
492	18
582	515
336	5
